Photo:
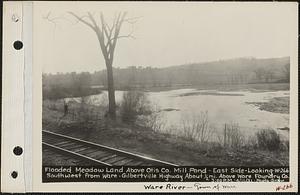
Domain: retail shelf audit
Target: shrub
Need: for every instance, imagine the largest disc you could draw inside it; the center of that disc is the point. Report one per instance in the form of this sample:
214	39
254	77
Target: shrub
155	121
268	139
284	145
54	92
134	103
197	127
232	136
252	142
85	113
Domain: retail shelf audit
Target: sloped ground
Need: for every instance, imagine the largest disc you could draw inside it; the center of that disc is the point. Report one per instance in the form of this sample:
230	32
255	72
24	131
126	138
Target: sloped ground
144	141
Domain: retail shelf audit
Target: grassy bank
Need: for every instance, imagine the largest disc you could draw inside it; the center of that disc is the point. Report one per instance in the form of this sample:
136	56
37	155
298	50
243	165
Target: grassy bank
141	140
276	105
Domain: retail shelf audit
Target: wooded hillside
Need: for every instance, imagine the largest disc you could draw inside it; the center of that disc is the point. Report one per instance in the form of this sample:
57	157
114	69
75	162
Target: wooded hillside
232	71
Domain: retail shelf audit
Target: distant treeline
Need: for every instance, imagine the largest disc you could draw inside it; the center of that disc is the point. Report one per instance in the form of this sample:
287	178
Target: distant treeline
68	85
229	72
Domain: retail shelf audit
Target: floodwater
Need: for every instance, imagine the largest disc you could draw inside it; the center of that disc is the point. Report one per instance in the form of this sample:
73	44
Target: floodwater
221	107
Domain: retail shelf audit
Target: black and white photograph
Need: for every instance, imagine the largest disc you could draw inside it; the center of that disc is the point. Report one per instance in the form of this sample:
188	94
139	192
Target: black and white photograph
144	96
166	84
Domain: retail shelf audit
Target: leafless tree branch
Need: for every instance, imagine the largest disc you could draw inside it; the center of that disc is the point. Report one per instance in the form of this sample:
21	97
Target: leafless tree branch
47	17
132	20
82	17
83	21
93	20
107	36
52	20
130	35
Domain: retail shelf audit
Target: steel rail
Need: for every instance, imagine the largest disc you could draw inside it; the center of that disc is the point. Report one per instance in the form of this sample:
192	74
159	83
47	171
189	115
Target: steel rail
103	148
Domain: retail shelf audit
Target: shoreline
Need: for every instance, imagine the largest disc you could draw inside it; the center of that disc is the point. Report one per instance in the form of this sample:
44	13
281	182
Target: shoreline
162	146
275	105
252	87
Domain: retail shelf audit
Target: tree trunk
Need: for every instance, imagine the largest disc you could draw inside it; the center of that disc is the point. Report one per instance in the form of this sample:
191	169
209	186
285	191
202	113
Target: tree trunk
107	37
111	90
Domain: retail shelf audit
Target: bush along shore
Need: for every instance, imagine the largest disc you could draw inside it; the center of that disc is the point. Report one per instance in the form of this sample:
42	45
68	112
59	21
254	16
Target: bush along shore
138	129
58	92
276	105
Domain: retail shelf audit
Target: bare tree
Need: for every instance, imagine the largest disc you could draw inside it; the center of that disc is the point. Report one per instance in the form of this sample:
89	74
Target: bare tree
108	36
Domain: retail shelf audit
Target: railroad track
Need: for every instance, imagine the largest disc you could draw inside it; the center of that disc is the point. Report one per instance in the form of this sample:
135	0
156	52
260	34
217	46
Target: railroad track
95	153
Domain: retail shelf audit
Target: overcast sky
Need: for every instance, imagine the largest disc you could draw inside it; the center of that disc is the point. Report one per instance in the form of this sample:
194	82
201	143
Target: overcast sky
166	34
